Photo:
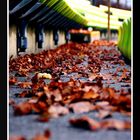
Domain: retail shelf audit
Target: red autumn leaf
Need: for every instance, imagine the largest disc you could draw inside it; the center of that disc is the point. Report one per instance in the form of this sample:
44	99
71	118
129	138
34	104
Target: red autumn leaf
12	80
35	78
22	73
43	118
123	101
24	84
38	86
26	93
71	98
85	123
90	95
45	136
22	108
26	108
39	107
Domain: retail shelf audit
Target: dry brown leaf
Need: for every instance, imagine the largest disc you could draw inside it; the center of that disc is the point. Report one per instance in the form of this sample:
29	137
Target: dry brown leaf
106	76
22	73
81	107
85	123
43	118
94	87
104	114
104	105
116	124
22	108
57	110
12	80
55	95
74	97
92	76
11	101
26	93
16	137
24	84
45	136
39	107
90	95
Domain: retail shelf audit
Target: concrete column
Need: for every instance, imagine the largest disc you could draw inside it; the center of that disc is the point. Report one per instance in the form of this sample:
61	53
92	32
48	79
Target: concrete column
61	38
37	50
31	42
32	45
103	36
48	40
12	41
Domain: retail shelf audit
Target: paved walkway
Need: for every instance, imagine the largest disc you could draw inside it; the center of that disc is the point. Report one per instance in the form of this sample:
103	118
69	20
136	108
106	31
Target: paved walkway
60	128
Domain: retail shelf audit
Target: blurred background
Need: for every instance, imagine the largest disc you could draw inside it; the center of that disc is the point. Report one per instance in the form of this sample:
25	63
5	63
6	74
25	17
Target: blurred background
36	25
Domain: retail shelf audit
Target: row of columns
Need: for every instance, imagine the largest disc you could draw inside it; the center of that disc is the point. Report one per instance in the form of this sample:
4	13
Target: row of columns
113	36
22	38
25	38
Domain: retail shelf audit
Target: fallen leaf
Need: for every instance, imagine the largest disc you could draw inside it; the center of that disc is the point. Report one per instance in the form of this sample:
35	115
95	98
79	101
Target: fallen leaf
43	118
92	76
90	95
102	114
116	124
81	107
105	105
22	74
24	84
106	76
11	101
57	110
12	81
44	75
16	137
76	77
102	103
85	123
45	136
26	93
22	108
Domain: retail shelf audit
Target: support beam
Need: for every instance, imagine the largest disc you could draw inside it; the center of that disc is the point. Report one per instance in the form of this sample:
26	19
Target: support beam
108	20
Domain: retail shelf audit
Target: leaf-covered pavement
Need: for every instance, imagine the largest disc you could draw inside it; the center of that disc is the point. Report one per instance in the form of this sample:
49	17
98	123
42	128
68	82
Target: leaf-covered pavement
88	81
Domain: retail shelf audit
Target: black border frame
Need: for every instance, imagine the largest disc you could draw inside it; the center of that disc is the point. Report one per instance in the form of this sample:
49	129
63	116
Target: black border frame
136	70
3	69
